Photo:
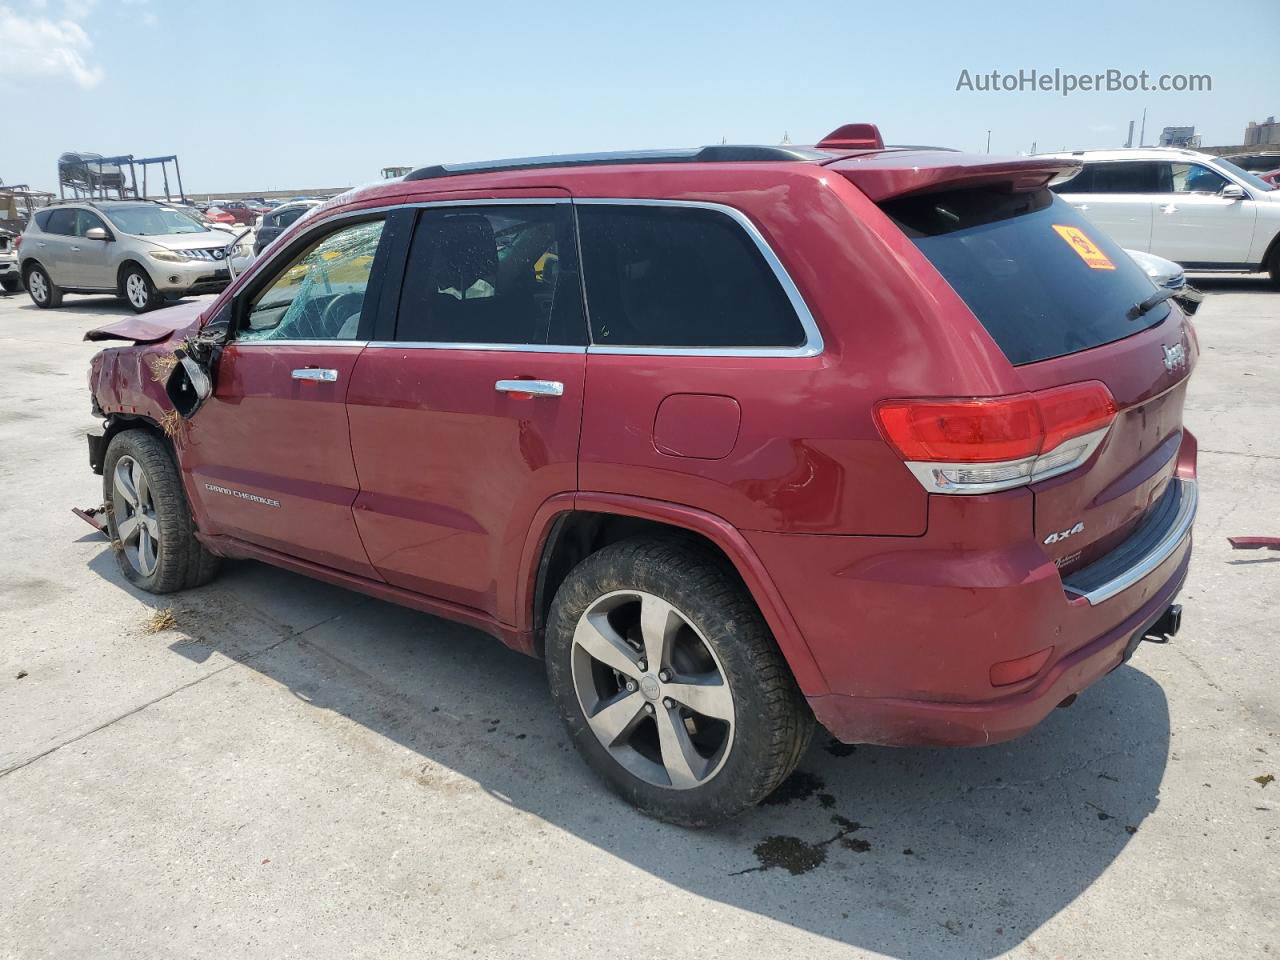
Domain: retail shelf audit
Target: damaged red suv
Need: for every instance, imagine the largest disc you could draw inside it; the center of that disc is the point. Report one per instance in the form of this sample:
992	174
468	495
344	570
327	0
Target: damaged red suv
736	438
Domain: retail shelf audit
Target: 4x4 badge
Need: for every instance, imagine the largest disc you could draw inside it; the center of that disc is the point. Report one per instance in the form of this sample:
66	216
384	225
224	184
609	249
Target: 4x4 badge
1063	534
1174	357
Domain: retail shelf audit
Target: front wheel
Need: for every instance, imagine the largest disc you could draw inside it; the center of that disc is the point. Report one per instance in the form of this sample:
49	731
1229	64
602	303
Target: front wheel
138	290
670	684
1273	265
148	517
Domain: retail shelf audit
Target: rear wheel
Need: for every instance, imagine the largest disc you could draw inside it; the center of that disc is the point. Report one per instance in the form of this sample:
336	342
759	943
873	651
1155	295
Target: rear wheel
41	289
148	517
670	684
138	290
1273	264
10	284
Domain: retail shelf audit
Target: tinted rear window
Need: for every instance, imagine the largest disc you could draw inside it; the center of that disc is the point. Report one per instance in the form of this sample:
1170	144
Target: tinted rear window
1042	280
661	276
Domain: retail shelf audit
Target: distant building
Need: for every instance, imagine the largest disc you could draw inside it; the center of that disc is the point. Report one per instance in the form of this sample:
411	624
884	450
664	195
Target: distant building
1267	132
1179	137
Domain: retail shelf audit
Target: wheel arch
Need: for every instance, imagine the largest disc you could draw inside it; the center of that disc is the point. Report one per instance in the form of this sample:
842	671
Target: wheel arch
570	528
125	264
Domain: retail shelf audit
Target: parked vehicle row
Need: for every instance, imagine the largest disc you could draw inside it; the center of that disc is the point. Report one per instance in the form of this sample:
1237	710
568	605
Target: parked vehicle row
903	456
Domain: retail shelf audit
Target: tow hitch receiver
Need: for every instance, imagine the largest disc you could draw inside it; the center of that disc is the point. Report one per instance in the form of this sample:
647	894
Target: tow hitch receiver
1164	629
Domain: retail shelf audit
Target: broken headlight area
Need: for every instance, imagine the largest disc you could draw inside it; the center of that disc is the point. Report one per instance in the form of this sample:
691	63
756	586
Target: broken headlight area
190	382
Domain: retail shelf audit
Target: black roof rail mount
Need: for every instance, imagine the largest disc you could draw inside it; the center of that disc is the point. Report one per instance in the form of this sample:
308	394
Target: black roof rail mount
720	153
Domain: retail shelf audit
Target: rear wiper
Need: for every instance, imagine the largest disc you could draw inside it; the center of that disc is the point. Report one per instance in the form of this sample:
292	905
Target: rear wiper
1149	304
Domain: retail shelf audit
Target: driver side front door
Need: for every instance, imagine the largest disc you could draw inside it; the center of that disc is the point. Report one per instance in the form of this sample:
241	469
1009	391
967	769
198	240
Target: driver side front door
269	455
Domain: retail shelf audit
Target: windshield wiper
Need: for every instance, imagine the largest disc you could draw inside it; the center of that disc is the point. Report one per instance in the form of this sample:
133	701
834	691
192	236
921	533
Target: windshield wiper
1149	304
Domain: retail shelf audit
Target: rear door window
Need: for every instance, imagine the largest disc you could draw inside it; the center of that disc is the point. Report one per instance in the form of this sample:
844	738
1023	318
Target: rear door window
659	276
62	222
492	275
1041	279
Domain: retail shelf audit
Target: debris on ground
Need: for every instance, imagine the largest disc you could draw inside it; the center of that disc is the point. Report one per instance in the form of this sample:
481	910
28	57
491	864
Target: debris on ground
161	620
21	674
1263	780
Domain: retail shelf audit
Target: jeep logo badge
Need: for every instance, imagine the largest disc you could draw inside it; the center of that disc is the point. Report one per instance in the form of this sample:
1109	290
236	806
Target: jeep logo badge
1174	357
1063	534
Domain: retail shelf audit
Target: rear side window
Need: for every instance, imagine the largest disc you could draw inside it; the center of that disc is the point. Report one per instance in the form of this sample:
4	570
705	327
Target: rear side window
679	277
492	275
1042	280
61	221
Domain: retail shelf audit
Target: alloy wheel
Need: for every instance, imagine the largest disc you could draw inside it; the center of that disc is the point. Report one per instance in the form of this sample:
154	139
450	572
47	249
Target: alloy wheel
37	286
137	526
135	288
652	690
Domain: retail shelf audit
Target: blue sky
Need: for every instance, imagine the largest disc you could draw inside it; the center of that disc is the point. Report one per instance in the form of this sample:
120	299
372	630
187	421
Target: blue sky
275	95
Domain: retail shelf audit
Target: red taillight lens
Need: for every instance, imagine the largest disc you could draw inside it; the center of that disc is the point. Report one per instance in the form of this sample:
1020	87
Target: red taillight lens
17	243
964	431
996	429
1074	411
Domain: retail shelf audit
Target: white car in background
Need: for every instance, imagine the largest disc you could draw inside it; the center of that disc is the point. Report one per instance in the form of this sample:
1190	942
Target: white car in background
9	277
1193	208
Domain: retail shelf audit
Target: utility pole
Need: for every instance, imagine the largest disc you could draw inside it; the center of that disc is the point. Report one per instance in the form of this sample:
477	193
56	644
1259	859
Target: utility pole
1142	137
1129	141
988	141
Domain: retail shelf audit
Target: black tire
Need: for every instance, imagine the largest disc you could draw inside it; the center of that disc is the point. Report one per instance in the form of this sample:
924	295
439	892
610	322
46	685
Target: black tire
44	294
137	290
180	561
10	284
772	723
1273	264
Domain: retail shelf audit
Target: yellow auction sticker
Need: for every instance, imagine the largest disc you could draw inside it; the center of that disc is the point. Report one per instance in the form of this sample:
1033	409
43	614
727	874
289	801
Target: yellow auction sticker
1094	258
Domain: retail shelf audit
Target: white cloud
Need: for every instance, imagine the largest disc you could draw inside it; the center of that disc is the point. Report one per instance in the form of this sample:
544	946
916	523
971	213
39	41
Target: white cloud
36	48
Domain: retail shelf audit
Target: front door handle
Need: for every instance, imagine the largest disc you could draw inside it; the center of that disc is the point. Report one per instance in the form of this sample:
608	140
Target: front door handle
316	375
537	388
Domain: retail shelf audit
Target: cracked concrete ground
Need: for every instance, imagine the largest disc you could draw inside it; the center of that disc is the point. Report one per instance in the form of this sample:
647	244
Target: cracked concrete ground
293	770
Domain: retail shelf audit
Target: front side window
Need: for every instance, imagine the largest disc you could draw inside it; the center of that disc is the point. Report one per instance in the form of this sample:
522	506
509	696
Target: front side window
1194	178
86	221
659	276
492	275
320	295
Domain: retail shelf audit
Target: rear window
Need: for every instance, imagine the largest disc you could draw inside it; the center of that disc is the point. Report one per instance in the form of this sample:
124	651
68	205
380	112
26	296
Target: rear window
1042	280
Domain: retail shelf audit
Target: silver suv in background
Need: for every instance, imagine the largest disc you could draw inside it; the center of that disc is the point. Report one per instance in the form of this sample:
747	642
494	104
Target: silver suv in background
140	250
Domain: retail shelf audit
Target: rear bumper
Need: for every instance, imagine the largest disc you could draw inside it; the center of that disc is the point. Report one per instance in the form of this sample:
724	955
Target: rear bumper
969	634
899	722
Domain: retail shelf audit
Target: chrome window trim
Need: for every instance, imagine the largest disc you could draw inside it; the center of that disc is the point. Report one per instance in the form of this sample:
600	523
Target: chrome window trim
510	347
811	347
297	343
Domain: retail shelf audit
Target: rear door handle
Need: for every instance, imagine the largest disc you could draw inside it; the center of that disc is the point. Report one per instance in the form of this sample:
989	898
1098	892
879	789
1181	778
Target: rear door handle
316	375
537	388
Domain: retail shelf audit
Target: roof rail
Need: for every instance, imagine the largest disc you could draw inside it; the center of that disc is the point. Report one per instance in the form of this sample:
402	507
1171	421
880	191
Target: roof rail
721	153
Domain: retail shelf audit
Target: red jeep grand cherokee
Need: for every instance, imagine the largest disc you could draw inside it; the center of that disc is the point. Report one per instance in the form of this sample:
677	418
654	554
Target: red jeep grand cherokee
735	438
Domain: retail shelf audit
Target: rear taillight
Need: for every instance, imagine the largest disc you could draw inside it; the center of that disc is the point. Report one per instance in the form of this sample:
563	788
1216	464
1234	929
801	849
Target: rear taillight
17	242
980	445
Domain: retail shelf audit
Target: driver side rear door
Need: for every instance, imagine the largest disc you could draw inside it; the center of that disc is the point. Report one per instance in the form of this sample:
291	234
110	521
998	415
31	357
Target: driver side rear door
269	456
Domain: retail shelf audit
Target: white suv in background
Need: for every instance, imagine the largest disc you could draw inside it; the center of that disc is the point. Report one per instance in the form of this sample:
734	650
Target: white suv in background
1193	208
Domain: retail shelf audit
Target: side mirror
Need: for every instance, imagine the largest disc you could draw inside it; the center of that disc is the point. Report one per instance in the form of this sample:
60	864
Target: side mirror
1232	191
96	233
188	386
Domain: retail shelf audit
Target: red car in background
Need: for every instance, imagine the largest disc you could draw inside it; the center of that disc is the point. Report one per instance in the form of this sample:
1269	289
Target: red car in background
736	438
1271	176
219	215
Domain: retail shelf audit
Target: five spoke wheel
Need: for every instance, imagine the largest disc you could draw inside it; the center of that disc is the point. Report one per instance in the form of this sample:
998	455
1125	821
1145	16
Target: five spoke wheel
134	511
652	690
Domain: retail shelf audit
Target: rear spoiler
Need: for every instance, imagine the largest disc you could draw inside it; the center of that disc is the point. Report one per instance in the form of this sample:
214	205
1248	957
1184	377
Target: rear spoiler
882	176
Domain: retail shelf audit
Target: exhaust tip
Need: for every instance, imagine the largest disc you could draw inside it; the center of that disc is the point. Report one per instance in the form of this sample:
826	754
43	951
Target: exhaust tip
1167	627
